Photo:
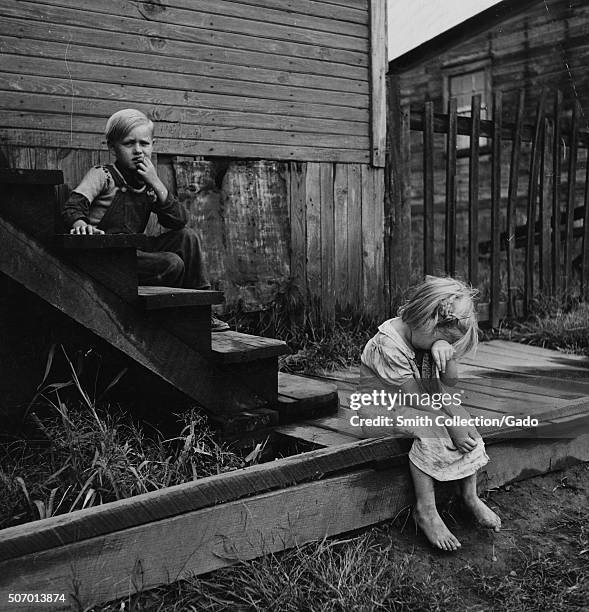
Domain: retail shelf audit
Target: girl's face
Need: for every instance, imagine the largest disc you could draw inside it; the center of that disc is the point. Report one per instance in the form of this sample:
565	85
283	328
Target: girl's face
134	147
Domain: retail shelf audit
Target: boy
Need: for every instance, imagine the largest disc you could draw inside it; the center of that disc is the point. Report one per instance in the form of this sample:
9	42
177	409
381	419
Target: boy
118	198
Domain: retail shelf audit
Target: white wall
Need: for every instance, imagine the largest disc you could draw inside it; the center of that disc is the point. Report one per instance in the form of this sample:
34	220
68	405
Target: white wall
412	22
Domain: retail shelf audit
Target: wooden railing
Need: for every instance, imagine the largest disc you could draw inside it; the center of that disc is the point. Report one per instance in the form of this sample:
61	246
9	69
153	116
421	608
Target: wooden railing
538	244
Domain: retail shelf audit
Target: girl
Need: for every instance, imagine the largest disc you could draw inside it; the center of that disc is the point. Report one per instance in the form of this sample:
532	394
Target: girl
119	198
413	353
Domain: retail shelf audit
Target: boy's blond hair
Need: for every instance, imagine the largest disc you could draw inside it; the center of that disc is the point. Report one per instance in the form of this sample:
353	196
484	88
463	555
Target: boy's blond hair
122	122
444	305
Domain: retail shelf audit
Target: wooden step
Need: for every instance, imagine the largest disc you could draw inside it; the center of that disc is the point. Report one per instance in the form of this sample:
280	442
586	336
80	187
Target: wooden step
301	398
155	298
99	241
235	347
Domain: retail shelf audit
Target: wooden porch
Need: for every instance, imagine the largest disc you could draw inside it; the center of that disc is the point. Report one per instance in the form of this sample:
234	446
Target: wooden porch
504	378
346	483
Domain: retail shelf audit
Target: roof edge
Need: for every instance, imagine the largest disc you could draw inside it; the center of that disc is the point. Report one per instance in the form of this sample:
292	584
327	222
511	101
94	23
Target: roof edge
471	27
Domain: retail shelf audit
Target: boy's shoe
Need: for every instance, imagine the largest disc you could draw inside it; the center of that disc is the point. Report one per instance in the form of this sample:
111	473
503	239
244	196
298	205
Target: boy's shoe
217	325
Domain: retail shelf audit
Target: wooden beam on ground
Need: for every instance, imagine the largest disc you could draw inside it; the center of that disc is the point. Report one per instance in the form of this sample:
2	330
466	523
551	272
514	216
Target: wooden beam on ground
120	563
126	513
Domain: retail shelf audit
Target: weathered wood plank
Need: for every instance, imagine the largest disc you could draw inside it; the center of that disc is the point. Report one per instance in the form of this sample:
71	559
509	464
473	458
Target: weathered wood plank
495	288
354	237
297	198
155	298
142	509
80	124
371	236
532	208
265	118
138	40
450	239
570	205
112	16
313	218
235	347
35	138
261	525
94	58
512	203
378	69
555	263
585	242
545	208
17	176
328	240
341	205
473	192
211	104
428	188
103	313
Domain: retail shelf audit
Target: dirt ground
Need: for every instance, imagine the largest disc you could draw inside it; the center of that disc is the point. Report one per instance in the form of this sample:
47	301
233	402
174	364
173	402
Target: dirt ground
538	561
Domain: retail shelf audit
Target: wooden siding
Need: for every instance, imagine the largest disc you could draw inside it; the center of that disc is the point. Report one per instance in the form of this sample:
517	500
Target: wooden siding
254	78
314	230
545	46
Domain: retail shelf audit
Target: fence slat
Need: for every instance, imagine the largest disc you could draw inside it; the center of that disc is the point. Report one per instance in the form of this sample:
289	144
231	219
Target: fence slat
327	245
570	207
511	203
531	212
473	192
585	255
545	208
495	288
428	188
555	264
450	241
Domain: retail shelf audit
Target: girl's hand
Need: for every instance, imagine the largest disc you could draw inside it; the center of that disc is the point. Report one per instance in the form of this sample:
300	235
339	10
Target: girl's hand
442	352
81	227
465	438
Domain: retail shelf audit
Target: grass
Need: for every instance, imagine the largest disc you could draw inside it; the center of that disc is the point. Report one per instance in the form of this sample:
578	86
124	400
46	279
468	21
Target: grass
87	452
371	572
554	326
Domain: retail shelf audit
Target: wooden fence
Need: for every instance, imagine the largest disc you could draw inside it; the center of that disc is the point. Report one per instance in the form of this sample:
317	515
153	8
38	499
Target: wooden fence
512	248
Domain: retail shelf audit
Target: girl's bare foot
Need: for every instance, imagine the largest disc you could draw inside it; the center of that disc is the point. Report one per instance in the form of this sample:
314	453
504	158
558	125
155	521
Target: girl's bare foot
483	514
434	528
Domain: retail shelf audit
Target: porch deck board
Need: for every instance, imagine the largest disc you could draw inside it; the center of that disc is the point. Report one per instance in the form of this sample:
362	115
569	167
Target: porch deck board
503	378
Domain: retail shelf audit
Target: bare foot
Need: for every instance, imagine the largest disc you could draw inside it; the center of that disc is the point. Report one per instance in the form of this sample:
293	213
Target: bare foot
483	514
435	530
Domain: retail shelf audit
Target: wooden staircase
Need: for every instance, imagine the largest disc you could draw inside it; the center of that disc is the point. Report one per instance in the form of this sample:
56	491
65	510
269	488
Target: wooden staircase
93	280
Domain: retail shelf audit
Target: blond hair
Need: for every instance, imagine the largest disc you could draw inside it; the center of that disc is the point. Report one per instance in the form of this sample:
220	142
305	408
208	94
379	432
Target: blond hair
122	122
444	305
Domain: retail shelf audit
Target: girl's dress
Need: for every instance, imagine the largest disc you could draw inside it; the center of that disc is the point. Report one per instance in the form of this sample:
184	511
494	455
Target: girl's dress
388	362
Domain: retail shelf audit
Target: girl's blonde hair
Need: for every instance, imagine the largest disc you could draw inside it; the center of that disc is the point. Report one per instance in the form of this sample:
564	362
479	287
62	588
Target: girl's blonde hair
446	306
122	122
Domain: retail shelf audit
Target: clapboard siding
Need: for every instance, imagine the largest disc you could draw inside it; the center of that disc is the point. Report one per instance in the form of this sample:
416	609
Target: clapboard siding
162	101
139	43
160	33
242	79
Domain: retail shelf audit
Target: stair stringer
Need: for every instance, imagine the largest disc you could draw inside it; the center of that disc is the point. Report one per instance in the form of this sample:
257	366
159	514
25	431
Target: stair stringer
101	311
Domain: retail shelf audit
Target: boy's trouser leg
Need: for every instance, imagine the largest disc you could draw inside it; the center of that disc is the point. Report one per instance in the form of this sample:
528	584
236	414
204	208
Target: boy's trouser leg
162	269
185	244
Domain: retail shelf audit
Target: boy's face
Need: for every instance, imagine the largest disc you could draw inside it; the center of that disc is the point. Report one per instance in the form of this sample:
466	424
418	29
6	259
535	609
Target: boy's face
134	148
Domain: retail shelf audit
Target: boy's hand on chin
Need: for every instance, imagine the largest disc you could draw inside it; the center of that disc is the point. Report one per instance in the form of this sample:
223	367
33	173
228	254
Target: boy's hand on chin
146	170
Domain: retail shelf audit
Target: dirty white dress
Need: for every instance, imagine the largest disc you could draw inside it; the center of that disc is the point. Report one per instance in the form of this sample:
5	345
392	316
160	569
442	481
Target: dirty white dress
387	363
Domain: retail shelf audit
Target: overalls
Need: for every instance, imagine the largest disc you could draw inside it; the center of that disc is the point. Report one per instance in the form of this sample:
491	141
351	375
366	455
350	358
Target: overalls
172	259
